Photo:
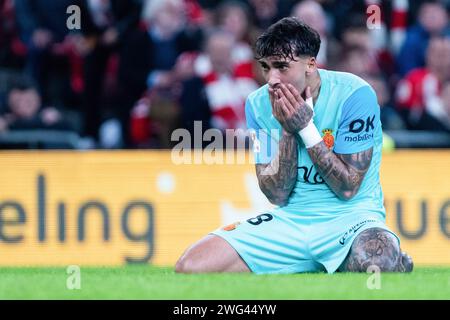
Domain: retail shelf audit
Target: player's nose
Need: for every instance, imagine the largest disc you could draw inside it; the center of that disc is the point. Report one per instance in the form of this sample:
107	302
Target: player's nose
274	79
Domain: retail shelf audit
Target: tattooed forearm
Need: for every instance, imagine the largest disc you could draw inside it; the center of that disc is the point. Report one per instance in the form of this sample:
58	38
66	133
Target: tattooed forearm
277	179
298	120
342	172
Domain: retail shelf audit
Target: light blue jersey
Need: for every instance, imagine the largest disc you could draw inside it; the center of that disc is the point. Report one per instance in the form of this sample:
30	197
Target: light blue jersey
315	230
347	115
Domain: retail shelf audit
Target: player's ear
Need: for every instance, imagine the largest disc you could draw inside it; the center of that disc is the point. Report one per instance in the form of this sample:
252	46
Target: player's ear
311	65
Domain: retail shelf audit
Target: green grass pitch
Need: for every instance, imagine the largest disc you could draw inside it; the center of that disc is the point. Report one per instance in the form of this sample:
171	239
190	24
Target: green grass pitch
148	282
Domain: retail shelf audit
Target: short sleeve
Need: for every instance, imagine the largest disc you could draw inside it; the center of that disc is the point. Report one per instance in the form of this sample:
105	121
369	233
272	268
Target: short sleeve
263	144
360	120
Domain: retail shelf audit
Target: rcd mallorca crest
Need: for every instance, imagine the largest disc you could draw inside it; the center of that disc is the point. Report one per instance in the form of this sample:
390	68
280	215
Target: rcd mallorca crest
328	138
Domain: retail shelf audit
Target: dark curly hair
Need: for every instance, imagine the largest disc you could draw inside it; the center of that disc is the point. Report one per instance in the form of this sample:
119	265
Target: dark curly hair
288	38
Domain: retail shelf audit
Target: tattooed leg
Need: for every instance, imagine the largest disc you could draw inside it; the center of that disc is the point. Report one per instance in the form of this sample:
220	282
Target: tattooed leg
376	246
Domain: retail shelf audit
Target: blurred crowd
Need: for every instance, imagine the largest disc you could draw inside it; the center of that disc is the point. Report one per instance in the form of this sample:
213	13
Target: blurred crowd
138	69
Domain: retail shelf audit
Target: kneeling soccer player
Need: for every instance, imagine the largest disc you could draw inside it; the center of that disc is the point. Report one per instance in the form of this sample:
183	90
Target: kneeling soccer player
320	139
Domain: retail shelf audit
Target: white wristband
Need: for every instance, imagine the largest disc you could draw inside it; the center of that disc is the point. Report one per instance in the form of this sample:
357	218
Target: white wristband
310	135
309	103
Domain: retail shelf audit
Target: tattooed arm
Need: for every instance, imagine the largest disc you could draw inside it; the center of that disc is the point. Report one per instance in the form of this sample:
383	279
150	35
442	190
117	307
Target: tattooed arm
344	168
343	173
277	178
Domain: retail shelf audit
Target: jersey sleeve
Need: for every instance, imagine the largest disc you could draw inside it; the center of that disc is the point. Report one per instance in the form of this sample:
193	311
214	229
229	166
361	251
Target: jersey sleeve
263	144
360	120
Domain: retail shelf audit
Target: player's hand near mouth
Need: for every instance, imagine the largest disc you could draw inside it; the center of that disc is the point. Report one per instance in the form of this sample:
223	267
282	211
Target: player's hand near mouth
289	108
277	178
342	173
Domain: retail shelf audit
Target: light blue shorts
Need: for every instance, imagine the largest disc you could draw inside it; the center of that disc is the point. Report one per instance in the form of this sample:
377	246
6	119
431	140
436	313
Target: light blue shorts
283	242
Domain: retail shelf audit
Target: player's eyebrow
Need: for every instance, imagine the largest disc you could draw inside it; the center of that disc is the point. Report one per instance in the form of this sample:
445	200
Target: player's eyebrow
275	64
279	64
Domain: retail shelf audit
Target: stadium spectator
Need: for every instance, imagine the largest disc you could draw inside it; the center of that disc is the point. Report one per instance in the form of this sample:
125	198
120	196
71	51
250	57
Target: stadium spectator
195	107
43	28
106	25
432	21
357	60
227	81
418	93
267	12
356	33
234	17
12	49
390	118
26	112
157	113
437	116
164	39
312	13
147	64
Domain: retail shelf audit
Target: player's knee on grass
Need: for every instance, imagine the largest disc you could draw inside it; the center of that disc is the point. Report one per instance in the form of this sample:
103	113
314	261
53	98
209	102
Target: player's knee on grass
185	265
189	262
210	254
375	247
